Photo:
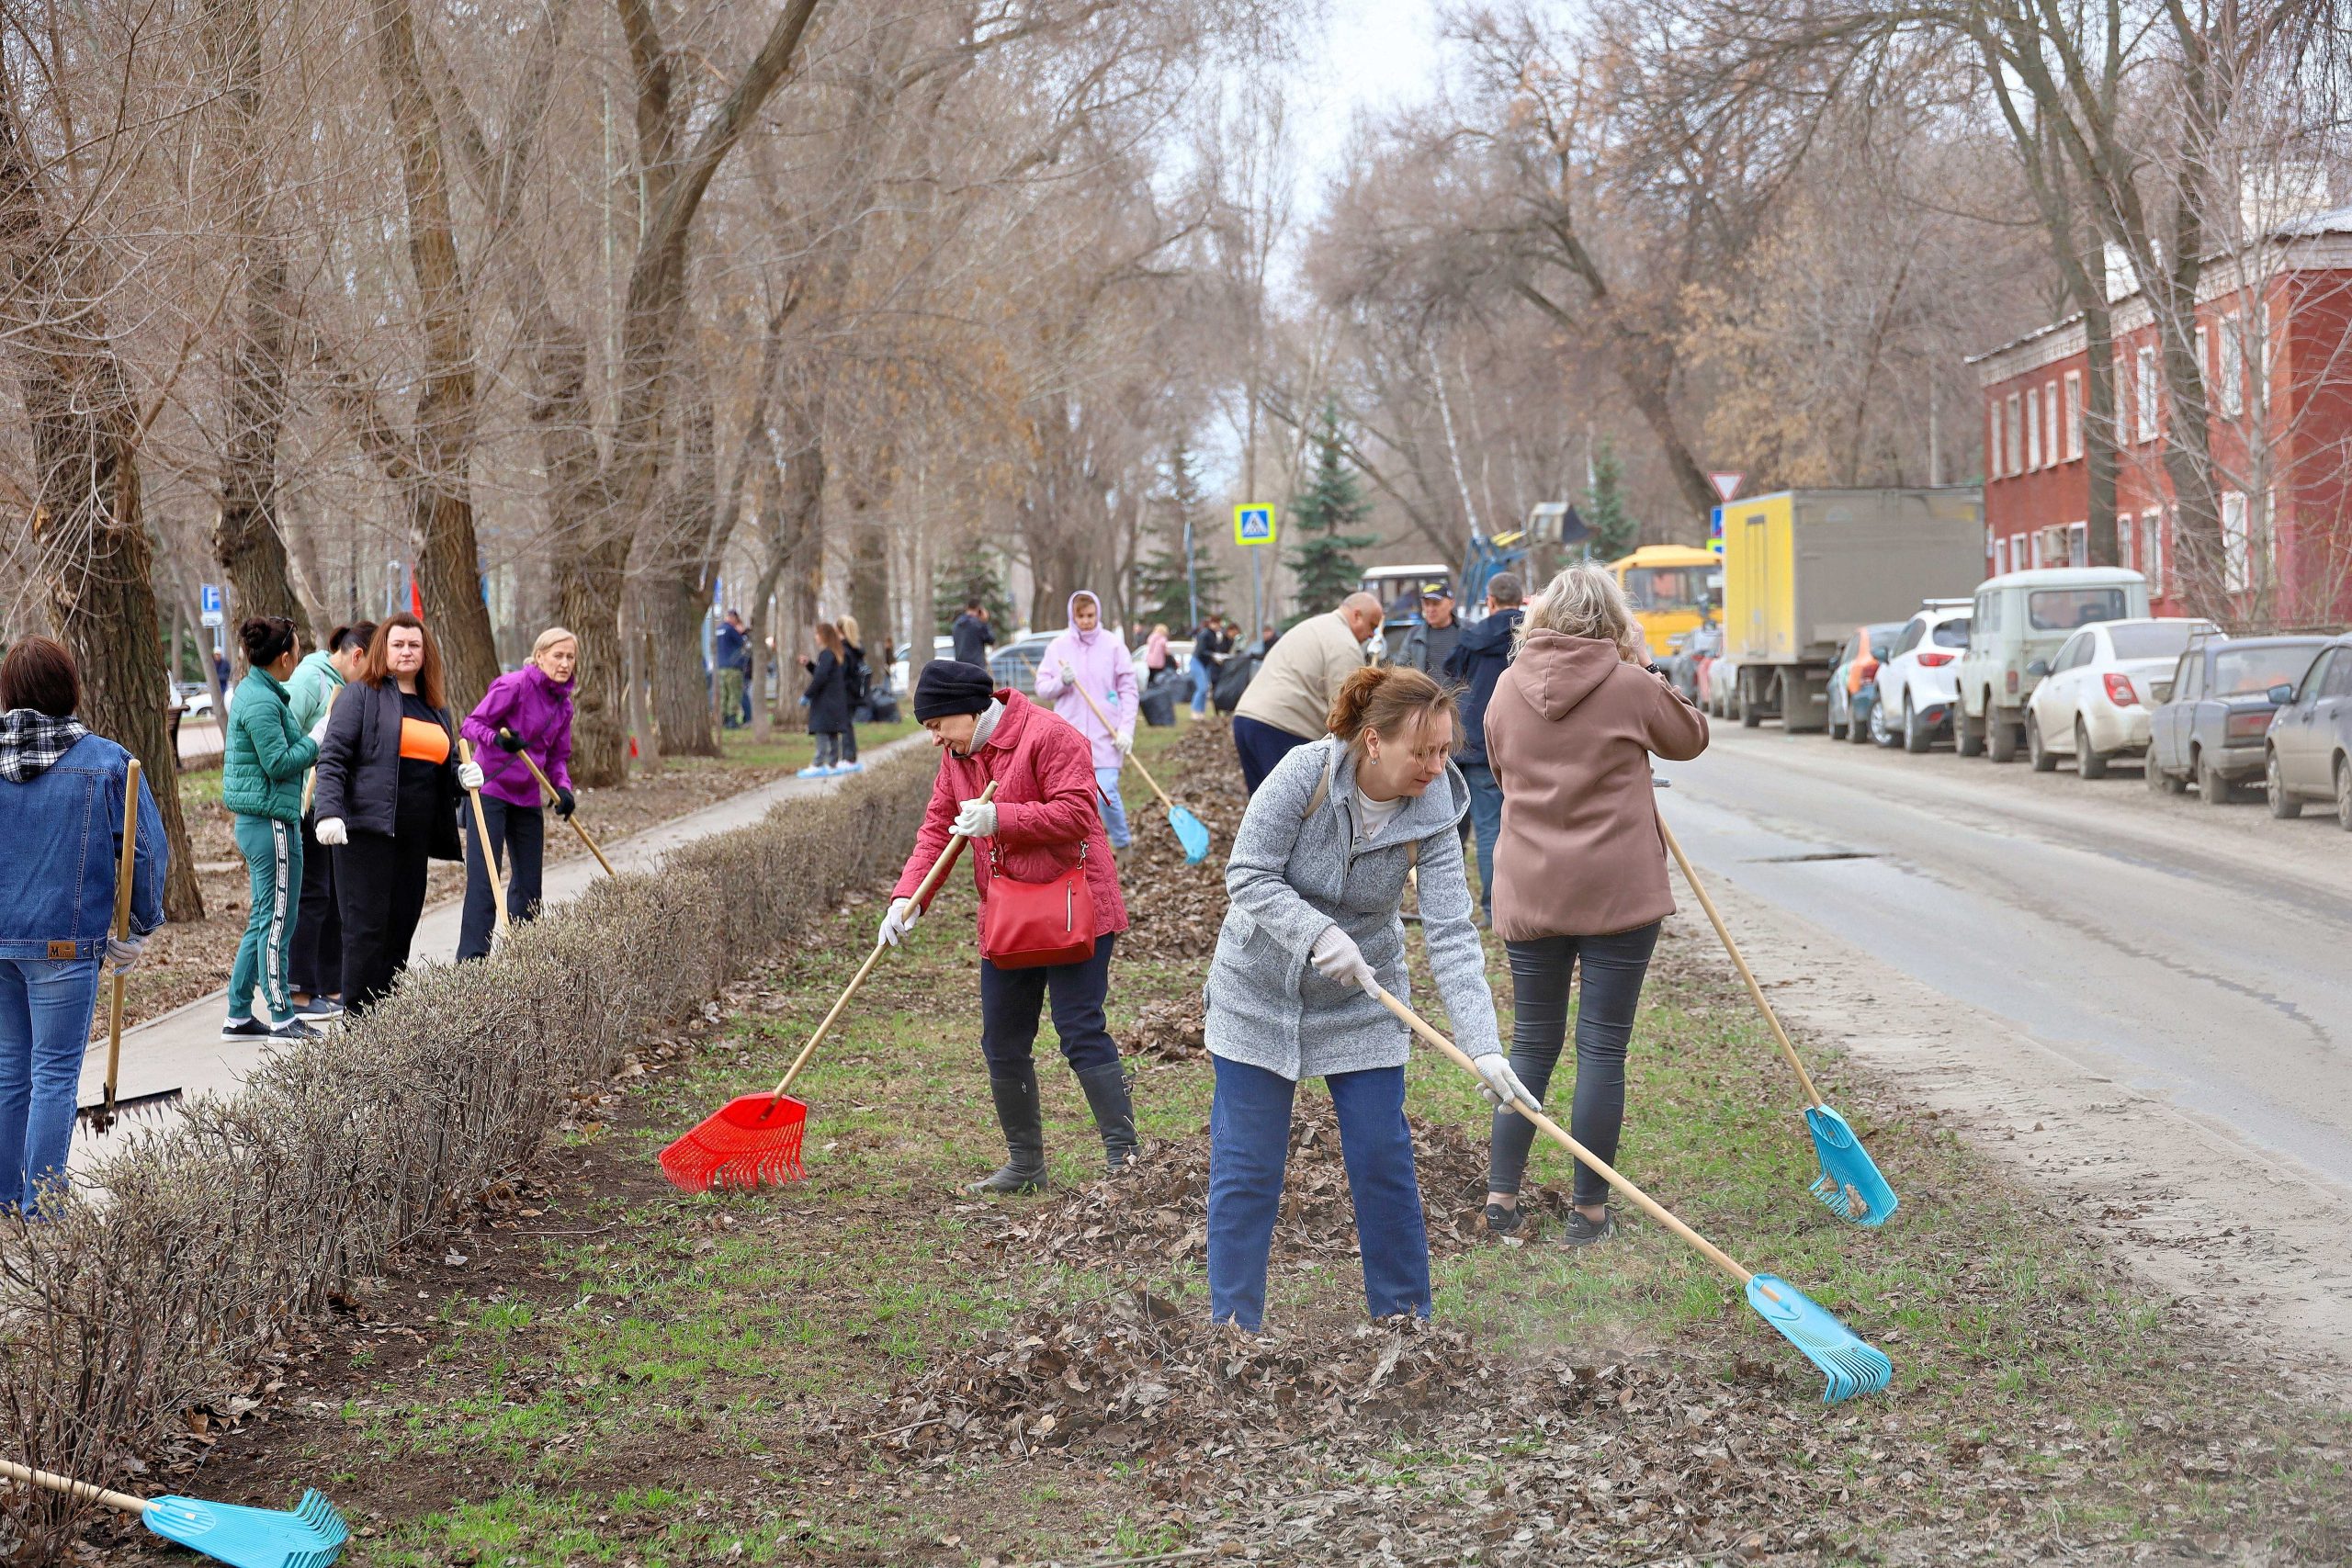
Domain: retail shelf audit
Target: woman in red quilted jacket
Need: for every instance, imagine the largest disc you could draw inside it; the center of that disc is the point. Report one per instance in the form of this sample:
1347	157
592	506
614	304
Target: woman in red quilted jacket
1042	821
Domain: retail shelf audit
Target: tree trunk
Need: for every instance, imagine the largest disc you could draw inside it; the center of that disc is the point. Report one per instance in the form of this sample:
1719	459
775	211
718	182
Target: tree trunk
2099	434
87	528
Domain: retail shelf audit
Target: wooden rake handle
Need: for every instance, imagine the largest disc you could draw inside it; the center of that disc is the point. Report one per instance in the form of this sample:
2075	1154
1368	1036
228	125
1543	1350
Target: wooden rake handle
126	869
1813	1095
929	884
574	821
1560	1135
53	1482
494	872
1105	719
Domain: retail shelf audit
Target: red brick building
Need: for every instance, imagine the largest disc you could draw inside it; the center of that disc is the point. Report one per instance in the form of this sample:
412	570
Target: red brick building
2274	335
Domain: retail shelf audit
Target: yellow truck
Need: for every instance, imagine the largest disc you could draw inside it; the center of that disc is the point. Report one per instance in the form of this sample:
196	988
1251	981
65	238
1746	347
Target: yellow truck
1803	568
1671	590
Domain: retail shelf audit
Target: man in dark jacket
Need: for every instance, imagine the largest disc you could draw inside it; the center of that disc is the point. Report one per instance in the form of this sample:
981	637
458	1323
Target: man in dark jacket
1477	662
1434	635
973	634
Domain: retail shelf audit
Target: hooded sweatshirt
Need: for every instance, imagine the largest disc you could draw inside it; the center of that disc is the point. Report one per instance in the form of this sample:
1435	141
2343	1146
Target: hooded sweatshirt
1569	735
1103	668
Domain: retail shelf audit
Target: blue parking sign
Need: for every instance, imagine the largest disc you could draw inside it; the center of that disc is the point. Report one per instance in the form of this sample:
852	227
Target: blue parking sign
207	604
1253	525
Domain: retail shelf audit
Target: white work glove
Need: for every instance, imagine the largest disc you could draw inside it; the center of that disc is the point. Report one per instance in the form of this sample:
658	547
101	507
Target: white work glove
975	819
1069	676
469	774
1336	956
332	832
319	730
122	954
899	923
1500	1084
1125	741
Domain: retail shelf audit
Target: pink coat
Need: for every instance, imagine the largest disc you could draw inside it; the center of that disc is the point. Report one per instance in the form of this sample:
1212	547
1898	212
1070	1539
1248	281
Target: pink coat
1044	810
1106	673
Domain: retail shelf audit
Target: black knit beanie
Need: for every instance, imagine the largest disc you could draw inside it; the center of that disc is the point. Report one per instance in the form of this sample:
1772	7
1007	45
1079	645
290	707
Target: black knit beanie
947	687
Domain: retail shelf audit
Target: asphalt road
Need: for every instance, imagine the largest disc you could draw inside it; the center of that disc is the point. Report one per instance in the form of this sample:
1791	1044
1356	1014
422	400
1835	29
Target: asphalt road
2159	990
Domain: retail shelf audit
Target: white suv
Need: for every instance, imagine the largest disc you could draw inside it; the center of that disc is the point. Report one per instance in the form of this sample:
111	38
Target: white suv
2095	700
1918	682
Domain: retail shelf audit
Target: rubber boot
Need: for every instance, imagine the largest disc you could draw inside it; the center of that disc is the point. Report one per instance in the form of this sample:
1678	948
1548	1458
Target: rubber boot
1025	1134
1114	1113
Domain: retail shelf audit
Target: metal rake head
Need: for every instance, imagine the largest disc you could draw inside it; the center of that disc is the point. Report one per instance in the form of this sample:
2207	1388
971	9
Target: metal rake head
101	1117
1849	1185
751	1141
312	1536
1852	1364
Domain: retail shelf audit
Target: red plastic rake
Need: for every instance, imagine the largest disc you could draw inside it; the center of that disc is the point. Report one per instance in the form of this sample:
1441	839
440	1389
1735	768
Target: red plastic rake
754	1139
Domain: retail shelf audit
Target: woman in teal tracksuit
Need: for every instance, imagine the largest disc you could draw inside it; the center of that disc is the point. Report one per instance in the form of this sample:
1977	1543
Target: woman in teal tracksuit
261	781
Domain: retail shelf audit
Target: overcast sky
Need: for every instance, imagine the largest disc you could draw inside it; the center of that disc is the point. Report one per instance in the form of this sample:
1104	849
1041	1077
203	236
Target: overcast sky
1373	54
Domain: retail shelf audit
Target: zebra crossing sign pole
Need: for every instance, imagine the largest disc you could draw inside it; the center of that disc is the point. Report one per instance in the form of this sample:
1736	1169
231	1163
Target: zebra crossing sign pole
1253	523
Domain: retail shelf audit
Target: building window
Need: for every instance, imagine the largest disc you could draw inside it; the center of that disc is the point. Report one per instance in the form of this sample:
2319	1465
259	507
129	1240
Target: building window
2125	542
2050	421
1993	440
2232	370
2078	544
2266	539
2234	557
2147	398
2015	450
2032	430
2001	555
2073	414
2152	549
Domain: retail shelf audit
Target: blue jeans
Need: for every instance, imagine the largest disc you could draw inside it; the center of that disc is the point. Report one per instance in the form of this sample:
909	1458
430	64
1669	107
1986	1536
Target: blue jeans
1613	969
1249	1148
45	1012
1486	824
1113	809
1202	680
273	852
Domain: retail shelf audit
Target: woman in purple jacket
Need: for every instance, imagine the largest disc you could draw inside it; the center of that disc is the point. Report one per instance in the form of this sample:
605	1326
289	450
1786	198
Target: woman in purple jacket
528	712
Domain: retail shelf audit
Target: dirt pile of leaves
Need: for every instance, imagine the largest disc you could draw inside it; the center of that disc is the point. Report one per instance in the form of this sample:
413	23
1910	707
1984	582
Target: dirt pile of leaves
1172	1031
1155	1216
1174	909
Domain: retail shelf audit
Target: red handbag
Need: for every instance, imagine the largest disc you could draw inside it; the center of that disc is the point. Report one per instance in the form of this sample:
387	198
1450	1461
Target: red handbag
1028	925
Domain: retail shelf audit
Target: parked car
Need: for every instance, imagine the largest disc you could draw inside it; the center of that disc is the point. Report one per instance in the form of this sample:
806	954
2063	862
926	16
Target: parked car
2094	700
1853	686
2022	620
1718	680
2214	726
2310	753
1014	663
1695	648
195	698
1917	684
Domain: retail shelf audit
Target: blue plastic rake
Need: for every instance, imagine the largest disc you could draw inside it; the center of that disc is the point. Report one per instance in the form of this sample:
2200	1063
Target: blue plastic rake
1849	1185
312	1536
1851	1364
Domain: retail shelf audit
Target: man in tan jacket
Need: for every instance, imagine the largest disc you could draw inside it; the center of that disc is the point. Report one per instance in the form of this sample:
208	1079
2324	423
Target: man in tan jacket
1288	703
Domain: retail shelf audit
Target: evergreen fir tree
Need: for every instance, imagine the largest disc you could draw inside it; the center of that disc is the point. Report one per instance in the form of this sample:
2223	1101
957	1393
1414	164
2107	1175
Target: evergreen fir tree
971	573
1615	531
1162	588
1322	562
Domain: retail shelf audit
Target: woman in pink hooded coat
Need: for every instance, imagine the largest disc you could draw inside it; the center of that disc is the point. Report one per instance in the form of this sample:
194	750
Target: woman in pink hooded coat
1087	656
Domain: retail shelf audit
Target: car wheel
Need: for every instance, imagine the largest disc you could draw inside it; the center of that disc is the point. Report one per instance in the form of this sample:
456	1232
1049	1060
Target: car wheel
1917	736
2211	787
1880	734
2284	807
2000	735
1967	738
1750	713
2088	763
1838	728
2044	759
2344	793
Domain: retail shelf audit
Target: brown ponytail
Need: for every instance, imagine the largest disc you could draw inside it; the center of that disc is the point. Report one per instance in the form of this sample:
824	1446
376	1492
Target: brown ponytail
1383	699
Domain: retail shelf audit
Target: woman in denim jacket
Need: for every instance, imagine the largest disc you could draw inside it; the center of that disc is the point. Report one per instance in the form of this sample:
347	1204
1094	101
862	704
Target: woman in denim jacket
61	812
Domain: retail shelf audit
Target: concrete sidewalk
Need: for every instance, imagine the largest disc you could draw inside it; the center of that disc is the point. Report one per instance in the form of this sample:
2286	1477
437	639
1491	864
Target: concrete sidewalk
182	1049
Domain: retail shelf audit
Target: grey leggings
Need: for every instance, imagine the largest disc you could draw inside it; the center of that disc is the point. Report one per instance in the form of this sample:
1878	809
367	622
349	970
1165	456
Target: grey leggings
1613	968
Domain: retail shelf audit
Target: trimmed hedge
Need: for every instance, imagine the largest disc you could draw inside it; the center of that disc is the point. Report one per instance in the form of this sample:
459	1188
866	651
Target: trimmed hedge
171	1290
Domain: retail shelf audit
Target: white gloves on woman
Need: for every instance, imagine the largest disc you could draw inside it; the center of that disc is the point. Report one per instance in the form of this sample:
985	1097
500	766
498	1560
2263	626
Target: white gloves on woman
333	832
122	954
469	774
975	819
1500	1084
1336	956
899	923
1125	741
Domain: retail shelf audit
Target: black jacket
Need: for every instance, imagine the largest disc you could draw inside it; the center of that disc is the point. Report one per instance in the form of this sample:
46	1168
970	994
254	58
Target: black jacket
360	768
972	637
1477	662
828	695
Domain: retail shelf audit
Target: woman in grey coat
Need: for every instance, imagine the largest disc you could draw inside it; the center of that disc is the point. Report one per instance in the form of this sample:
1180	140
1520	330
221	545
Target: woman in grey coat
1316	880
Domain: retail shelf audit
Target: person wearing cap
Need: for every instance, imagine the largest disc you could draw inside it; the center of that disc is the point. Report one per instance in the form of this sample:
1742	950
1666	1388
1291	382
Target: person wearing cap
1289	702
1041	823
1434	635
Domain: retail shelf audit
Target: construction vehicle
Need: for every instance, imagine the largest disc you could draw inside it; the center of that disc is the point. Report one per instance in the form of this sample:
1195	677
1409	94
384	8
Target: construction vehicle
1672	590
1803	568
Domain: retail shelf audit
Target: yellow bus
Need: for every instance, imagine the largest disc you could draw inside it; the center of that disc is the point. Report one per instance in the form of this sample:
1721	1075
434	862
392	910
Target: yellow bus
1671	588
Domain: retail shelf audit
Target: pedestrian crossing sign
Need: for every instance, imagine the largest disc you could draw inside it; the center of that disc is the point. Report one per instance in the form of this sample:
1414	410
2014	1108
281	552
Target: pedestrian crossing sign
1253	525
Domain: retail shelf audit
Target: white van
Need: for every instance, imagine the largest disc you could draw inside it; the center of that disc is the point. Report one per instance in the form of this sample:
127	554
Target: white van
2021	619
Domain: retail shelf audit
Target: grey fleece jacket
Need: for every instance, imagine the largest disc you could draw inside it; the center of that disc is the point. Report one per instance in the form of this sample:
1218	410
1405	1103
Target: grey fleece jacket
1291	874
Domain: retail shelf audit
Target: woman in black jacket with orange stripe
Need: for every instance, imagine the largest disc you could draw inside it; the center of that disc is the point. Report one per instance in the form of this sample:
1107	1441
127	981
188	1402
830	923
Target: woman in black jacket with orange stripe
389	783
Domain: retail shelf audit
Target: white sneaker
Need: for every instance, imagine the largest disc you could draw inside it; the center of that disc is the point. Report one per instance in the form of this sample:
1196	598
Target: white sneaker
851	768
813	772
